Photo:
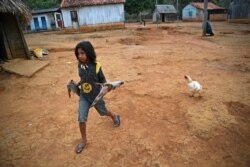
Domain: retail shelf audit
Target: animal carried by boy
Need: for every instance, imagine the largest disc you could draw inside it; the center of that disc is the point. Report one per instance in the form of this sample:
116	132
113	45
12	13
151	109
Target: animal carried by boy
106	87
72	86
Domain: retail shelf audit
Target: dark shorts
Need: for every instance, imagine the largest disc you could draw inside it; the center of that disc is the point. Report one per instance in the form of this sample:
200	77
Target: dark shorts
84	106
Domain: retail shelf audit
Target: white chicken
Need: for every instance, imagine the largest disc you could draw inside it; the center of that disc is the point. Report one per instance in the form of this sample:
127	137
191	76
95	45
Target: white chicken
193	86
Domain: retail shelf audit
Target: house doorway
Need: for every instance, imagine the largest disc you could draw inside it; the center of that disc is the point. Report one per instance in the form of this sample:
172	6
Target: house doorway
44	24
3	53
163	17
59	22
36	23
74	19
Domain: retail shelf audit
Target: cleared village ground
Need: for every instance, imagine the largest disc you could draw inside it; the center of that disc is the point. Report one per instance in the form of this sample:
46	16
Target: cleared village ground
161	124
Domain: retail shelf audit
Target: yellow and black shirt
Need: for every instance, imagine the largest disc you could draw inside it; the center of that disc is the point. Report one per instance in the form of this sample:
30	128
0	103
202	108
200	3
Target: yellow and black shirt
90	74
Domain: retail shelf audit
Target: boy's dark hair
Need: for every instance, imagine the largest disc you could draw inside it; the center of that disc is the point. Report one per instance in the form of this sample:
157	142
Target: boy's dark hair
87	47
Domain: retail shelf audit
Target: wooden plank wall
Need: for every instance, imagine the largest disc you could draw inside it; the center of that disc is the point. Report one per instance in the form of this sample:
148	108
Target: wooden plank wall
94	15
14	38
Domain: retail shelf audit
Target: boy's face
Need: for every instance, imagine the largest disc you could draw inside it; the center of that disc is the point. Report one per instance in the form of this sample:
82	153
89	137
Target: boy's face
82	56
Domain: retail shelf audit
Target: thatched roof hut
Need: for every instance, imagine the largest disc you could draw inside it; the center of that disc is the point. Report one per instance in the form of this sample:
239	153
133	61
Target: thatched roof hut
12	42
15	7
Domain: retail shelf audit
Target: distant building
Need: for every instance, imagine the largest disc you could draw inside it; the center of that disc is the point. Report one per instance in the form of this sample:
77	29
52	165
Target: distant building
164	13
46	19
195	12
92	12
239	9
12	41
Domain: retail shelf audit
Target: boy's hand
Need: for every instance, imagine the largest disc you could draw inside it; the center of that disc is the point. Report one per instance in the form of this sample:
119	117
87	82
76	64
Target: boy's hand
110	87
72	86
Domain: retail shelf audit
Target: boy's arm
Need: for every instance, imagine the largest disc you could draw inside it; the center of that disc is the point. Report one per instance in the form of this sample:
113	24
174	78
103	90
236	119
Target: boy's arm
78	67
101	76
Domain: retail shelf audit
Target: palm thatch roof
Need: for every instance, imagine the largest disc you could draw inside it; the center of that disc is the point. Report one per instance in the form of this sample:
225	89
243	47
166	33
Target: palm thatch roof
15	7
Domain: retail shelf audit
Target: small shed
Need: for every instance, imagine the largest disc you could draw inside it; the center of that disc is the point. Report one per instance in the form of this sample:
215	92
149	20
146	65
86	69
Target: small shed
164	13
46	19
195	12
12	42
92	12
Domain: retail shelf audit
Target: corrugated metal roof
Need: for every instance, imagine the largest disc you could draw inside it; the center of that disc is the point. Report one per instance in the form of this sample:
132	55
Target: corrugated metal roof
75	3
45	10
210	6
165	8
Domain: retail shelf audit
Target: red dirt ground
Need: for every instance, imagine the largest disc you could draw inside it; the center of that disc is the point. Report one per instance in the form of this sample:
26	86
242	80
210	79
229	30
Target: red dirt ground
162	125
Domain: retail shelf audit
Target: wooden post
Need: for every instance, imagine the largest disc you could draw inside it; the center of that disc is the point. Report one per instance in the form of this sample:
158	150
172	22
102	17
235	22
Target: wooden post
204	26
177	13
124	20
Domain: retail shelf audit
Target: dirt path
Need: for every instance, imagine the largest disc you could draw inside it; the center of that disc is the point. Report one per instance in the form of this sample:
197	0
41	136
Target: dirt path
161	124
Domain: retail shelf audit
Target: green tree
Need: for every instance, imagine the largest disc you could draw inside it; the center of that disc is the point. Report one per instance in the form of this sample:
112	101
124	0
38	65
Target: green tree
135	6
42	4
225	3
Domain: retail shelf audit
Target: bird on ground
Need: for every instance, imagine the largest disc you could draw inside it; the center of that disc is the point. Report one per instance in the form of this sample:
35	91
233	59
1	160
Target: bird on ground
193	86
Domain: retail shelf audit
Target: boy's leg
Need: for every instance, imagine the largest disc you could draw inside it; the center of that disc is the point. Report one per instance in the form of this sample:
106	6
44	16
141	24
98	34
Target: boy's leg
102	110
82	127
82	118
111	115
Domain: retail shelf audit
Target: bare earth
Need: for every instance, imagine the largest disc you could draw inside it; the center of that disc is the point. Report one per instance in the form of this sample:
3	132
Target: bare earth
162	125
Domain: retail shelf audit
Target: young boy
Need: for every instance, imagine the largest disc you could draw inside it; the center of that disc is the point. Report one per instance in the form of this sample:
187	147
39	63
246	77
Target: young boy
90	73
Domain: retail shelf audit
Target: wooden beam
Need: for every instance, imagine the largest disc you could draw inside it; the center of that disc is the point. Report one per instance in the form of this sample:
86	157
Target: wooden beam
27	53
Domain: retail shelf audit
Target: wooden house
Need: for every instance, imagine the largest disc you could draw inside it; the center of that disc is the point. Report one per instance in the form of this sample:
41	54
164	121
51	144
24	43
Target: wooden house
46	19
195	12
164	13
13	44
79	13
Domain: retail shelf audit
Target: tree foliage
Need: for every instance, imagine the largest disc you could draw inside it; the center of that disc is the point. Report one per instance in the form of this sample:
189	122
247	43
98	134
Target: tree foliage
42	4
131	6
224	3
136	6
